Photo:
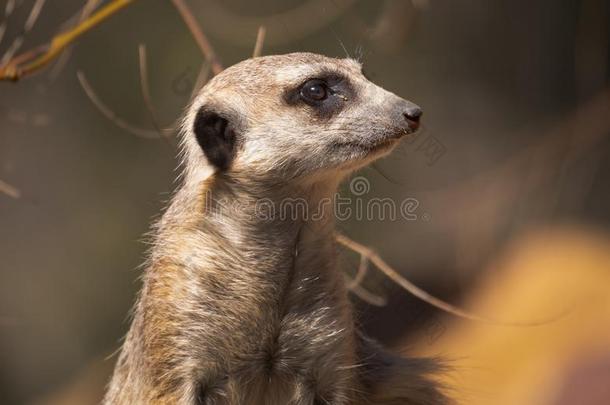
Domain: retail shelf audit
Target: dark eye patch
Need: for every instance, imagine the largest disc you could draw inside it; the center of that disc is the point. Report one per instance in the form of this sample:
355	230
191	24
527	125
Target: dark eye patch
324	95
315	91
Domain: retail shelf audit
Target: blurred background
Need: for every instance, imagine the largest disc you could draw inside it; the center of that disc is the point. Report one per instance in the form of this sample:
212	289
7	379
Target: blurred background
510	174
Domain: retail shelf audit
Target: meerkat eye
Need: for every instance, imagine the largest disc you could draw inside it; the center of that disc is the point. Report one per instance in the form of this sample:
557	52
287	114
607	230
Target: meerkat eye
314	90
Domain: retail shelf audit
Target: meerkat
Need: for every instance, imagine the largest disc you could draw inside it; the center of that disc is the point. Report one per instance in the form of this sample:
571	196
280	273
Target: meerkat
241	304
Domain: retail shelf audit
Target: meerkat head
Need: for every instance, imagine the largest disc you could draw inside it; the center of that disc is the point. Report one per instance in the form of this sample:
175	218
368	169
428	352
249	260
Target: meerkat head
293	116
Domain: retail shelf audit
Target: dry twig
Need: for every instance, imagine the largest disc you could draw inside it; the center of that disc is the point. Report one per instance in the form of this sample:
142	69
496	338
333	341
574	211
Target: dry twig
283	27
8	10
363	268
365	295
202	78
145	88
110	115
202	41
29	23
34	60
260	39
9	190
212	62
83	14
425	296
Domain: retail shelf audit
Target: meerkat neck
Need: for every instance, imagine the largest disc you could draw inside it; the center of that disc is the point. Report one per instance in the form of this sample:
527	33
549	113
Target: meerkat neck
265	229
246	210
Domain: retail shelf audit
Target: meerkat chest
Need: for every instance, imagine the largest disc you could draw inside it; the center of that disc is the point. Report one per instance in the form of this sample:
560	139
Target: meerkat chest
301	348
266	321
308	358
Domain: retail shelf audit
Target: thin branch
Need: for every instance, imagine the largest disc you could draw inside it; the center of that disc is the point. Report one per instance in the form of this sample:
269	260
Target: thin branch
354	285
363	268
202	41
83	14
10	7
29	23
8	10
202	78
366	295
284	27
260	40
110	115
425	296
14	70
85	11
2	30
145	88
9	190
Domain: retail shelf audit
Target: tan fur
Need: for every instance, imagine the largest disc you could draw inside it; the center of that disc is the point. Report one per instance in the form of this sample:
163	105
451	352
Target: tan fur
236	309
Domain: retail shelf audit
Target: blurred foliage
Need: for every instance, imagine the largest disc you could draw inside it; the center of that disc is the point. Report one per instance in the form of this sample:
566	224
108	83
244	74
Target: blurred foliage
566	361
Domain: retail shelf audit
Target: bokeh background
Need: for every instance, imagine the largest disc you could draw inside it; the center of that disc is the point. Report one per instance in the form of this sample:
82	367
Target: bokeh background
511	173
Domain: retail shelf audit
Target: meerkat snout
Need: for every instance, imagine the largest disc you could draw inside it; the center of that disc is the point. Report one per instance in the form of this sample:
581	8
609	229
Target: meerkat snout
413	114
300	114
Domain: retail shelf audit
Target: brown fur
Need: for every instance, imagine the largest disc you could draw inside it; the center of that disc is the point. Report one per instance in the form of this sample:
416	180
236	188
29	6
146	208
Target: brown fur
236	309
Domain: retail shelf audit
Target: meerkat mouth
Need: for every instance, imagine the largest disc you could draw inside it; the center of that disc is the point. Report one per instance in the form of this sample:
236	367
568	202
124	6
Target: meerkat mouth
375	146
365	147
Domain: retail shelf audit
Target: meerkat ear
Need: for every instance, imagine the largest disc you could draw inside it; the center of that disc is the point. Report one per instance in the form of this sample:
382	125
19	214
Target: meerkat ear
216	137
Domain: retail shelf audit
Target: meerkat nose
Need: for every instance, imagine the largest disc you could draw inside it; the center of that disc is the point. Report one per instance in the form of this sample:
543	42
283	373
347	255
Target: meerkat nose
413	114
